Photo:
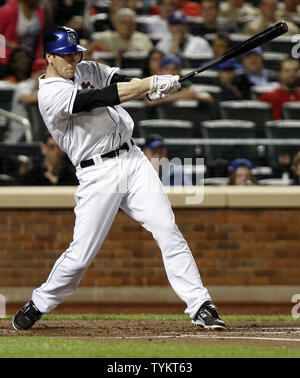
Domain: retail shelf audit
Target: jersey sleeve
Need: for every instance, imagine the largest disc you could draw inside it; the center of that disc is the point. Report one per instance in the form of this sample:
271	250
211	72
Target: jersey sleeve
56	101
101	73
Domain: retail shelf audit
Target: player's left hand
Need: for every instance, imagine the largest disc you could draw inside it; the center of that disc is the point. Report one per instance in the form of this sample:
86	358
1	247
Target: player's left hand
165	84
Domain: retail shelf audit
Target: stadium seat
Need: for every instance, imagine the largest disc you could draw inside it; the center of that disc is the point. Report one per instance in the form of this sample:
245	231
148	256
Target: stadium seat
282	44
195	60
275	182
272	60
257	91
7	91
229	129
236	38
204	78
291	110
282	129
138	111
39	128
131	72
216	181
212	110
188	110
105	56
169	128
99	22
248	110
134	59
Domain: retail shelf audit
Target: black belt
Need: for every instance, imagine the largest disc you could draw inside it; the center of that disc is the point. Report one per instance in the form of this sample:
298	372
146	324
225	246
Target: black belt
111	154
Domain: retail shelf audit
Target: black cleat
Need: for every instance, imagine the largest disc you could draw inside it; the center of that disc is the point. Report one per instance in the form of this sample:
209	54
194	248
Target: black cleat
207	317
26	317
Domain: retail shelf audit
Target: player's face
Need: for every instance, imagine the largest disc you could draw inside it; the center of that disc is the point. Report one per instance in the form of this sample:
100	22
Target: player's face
64	65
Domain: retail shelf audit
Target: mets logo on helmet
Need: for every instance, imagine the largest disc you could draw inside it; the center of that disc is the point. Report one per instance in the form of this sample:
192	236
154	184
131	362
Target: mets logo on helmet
72	38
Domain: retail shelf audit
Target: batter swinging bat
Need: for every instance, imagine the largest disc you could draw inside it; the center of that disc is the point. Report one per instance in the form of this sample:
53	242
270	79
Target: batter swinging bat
250	44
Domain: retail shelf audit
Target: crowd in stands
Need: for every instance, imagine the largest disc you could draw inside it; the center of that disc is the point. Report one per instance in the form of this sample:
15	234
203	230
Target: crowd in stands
163	37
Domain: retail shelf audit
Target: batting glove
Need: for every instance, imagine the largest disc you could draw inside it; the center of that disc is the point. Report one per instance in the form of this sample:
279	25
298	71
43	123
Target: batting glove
165	84
155	96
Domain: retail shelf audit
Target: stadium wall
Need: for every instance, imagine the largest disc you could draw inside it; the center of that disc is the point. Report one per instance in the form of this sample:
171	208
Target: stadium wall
245	240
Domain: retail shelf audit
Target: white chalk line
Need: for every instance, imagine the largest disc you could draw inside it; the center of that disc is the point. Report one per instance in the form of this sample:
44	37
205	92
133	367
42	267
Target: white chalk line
199	336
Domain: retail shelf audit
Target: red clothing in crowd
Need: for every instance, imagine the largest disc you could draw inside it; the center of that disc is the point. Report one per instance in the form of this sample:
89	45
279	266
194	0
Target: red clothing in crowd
189	8
277	98
9	15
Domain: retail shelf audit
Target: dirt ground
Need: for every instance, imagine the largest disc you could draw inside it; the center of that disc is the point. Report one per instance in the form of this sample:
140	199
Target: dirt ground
154	308
277	334
280	335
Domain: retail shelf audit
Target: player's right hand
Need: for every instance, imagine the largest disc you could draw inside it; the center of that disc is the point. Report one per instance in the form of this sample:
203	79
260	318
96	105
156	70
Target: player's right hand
164	84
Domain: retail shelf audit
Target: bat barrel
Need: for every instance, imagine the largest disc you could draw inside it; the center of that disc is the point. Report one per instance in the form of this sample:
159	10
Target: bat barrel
248	45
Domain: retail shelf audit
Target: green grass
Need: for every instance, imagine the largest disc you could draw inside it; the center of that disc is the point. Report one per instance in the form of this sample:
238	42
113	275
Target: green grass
172	317
41	347
45	347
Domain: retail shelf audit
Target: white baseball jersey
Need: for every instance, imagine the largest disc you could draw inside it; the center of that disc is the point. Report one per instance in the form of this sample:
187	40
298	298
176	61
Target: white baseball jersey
98	198
85	134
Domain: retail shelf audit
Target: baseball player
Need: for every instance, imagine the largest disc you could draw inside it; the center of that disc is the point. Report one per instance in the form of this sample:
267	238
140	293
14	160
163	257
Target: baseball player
80	104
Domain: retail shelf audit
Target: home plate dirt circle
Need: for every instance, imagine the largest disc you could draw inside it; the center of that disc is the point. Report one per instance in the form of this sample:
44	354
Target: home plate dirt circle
272	334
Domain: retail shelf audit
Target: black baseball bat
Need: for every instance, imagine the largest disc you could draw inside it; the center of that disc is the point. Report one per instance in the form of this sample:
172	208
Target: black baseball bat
250	44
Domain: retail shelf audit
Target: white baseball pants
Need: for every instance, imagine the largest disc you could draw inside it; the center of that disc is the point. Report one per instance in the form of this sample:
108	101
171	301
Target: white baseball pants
128	182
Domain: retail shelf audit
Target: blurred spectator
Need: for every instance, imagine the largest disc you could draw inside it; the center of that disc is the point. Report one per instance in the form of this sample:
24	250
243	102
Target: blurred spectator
289	10
226	76
49	13
234	10
288	91
212	23
189	8
125	38
153	63
296	167
253	73
171	65
240	173
25	94
268	17
178	41
159	22
114	7
156	151
69	13
221	44
22	24
55	169
18	67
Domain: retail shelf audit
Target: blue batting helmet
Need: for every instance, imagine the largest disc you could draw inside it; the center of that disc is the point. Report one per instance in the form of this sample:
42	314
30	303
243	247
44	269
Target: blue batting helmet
61	40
